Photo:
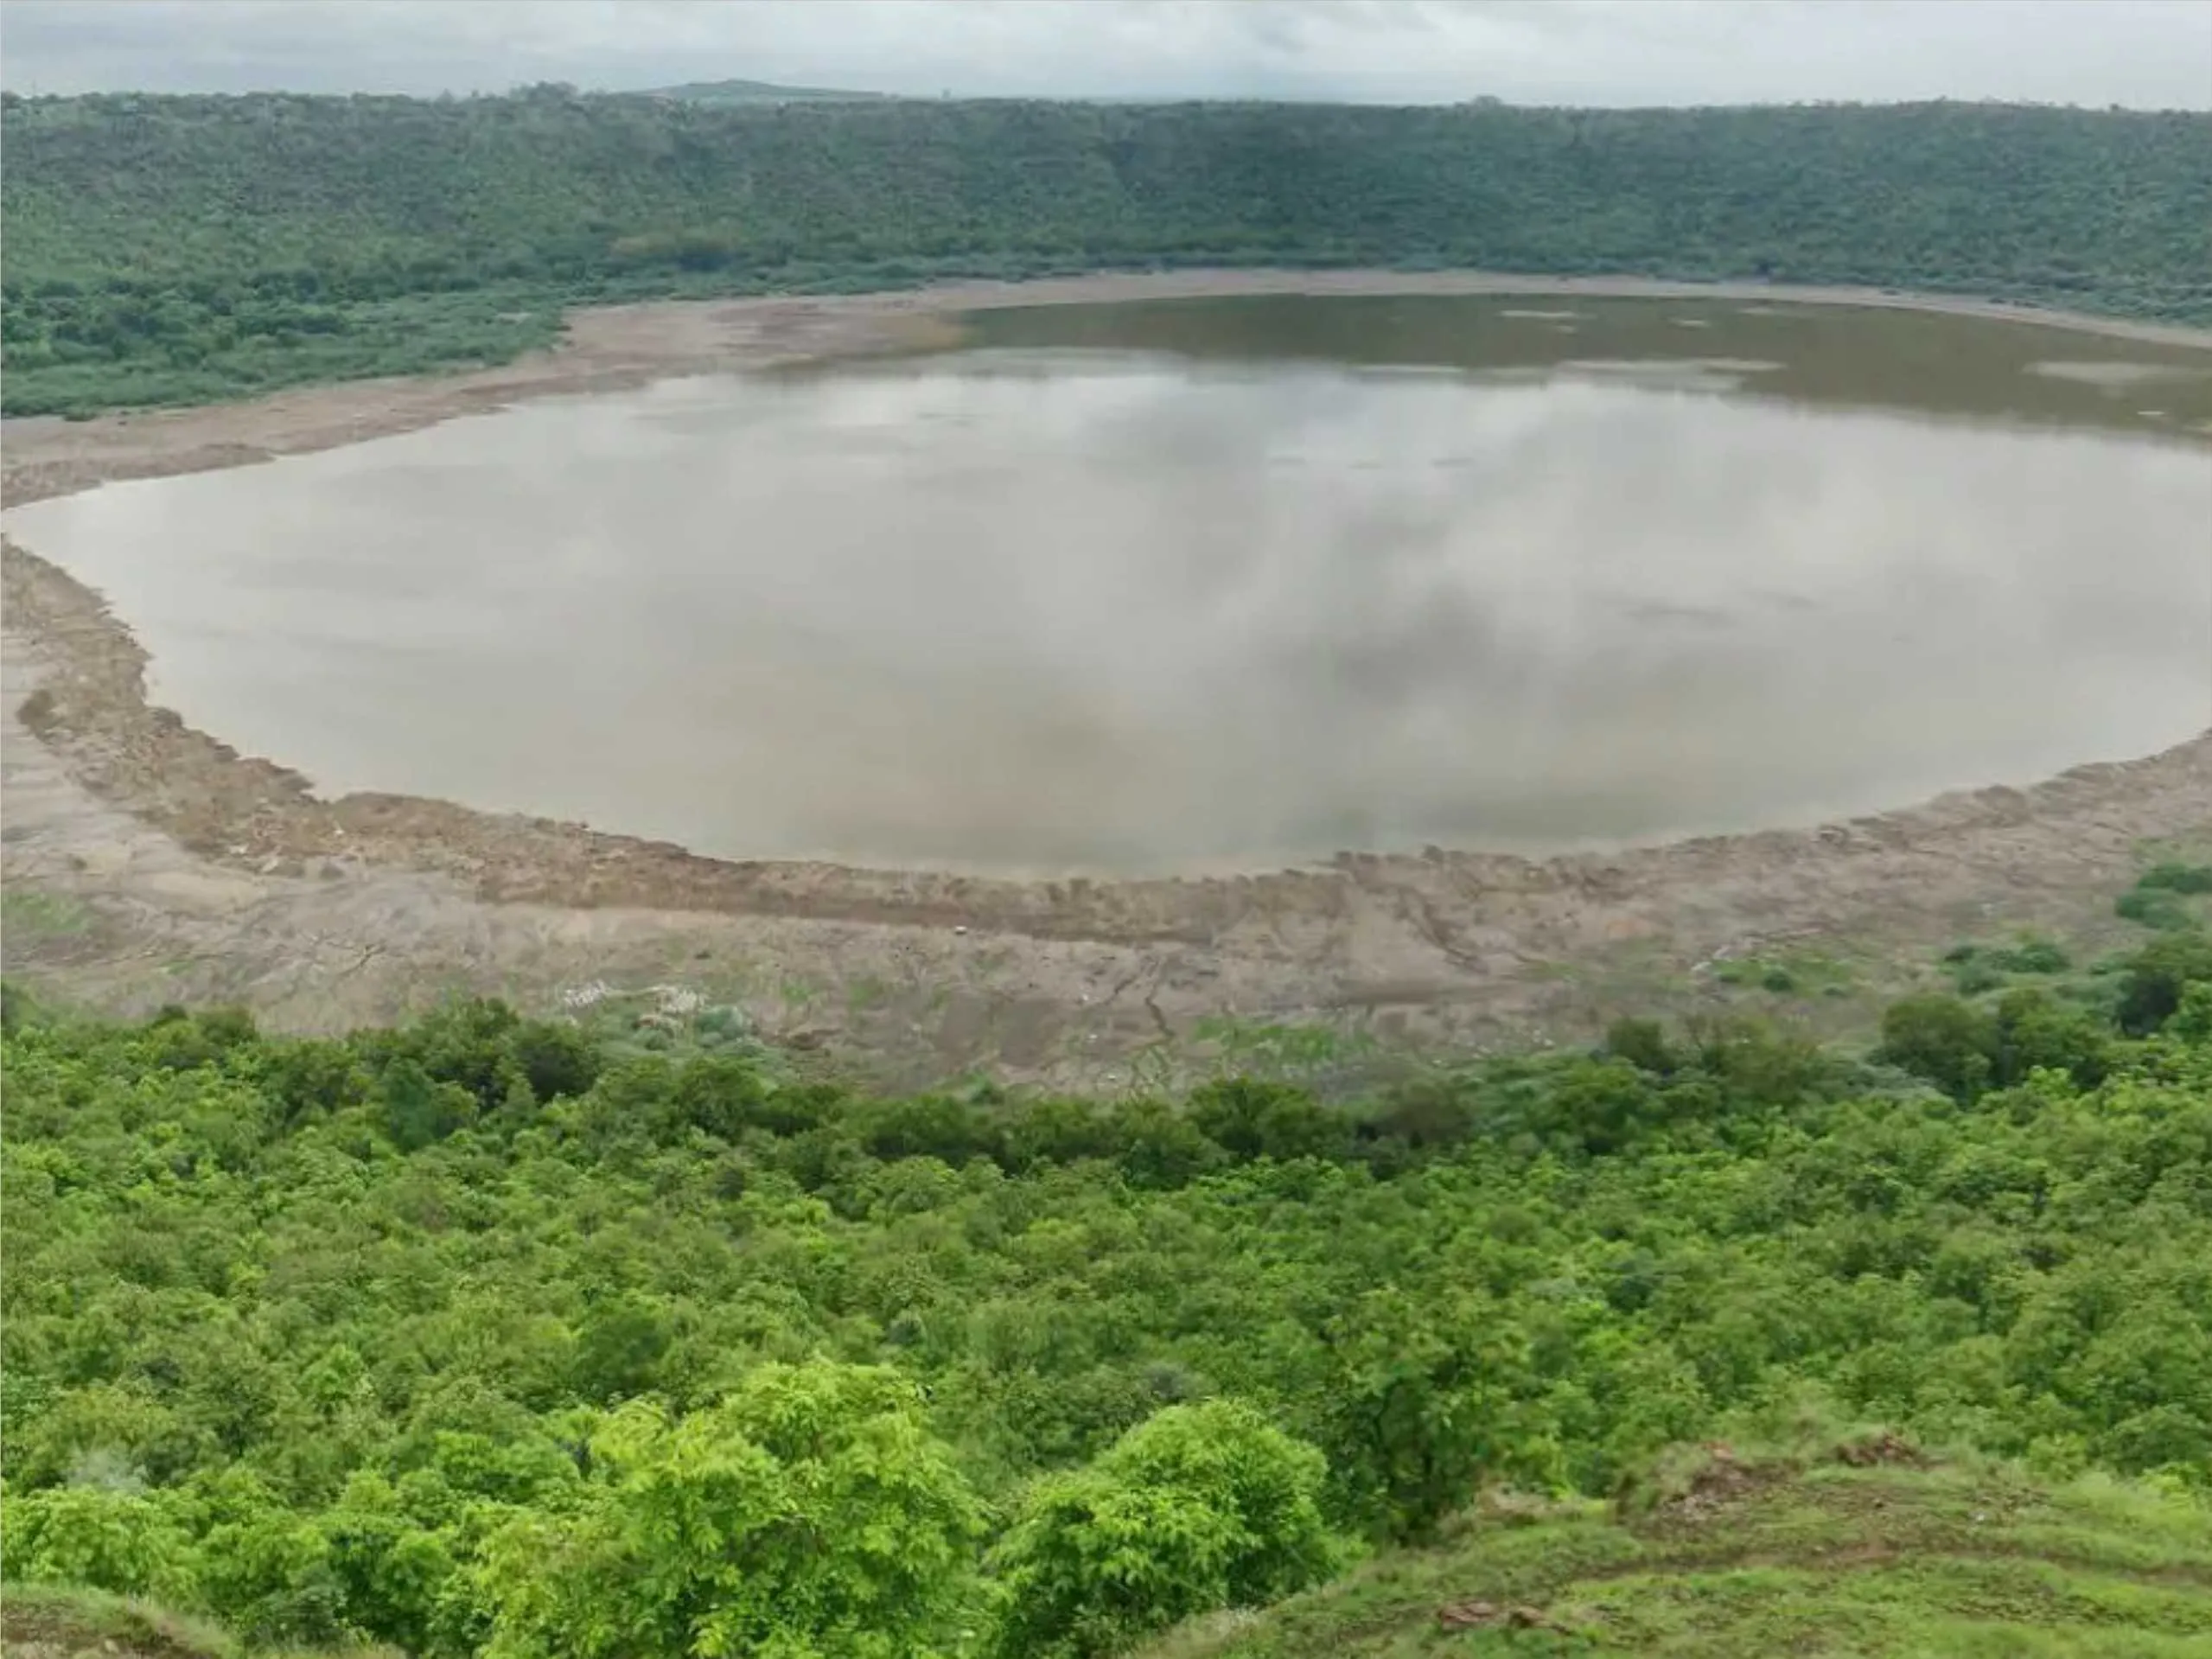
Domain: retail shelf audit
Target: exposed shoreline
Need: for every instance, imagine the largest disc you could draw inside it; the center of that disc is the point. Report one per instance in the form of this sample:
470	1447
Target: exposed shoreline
1436	931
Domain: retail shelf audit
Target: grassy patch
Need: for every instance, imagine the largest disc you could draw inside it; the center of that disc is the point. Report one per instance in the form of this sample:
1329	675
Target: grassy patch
1788	974
1722	1556
29	914
864	991
46	1618
2165	899
1304	1053
39	1621
2172	875
1975	969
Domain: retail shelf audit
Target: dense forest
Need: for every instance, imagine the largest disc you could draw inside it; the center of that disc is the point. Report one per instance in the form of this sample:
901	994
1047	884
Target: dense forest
501	1336
166	249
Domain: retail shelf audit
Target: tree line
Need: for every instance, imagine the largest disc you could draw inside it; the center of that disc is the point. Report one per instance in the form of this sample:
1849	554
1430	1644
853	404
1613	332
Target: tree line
178	248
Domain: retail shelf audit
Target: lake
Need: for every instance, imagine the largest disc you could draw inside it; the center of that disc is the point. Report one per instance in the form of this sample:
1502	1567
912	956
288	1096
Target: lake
1221	584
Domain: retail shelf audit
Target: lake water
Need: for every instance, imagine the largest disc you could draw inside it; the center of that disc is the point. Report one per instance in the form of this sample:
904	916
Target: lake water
1217	583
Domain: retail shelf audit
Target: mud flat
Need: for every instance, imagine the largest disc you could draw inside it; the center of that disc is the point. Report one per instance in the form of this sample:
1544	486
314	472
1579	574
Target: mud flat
146	862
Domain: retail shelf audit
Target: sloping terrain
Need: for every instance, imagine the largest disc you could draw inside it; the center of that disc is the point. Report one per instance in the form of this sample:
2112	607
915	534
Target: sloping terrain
179	250
454	1336
1869	1548
46	1622
757	91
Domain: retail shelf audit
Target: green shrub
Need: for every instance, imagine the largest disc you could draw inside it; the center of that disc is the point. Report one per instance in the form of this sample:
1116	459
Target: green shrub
1420	1407
2035	1031
1757	1063
99	1538
2175	878
1951	1043
418	1112
808	1513
1200	1507
557	1060
1250	1119
2031	955
2153	980
1642	1043
1975	975
2153	907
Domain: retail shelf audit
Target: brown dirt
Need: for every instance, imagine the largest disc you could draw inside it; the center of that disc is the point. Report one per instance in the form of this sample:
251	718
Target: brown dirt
1490	1615
1721	1482
145	861
1886	1449
59	1625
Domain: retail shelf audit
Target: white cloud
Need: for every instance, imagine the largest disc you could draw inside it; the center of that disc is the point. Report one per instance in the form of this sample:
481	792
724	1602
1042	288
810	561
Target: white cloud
2142	53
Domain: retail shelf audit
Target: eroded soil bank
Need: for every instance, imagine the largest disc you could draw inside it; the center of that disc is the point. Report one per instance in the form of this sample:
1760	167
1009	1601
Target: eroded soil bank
146	862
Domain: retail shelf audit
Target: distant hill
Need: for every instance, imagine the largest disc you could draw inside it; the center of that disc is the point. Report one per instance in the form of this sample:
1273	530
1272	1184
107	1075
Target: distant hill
760	91
173	250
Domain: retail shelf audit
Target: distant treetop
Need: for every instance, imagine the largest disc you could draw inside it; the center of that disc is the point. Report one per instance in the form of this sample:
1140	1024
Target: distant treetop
180	248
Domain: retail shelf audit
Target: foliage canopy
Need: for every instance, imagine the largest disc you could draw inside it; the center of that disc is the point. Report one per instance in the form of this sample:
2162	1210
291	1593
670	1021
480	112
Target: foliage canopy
177	249
474	1337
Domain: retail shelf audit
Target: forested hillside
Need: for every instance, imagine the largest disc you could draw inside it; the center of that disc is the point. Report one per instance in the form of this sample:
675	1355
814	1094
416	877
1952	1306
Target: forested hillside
165	249
496	1336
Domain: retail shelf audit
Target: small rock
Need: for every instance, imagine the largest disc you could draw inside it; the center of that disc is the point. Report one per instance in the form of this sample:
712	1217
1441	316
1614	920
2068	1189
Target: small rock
1483	1615
1468	1615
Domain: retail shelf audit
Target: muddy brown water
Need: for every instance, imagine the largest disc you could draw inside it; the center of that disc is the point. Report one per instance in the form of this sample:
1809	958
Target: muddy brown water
1220	584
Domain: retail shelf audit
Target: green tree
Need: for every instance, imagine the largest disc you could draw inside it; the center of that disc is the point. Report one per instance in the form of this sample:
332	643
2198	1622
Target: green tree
620	1350
104	1537
1422	1403
2158	976
1951	1043
2033	1030
392	1570
1199	1507
807	1515
1250	1119
256	1359
418	1112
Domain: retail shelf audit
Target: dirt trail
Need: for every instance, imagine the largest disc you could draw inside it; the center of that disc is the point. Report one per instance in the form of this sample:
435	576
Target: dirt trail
145	861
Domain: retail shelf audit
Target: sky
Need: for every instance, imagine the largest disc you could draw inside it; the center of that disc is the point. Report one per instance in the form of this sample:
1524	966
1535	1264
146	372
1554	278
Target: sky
2142	53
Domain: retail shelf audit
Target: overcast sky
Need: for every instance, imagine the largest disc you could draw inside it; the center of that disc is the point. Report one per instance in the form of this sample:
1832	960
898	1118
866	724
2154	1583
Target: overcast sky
2149	53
